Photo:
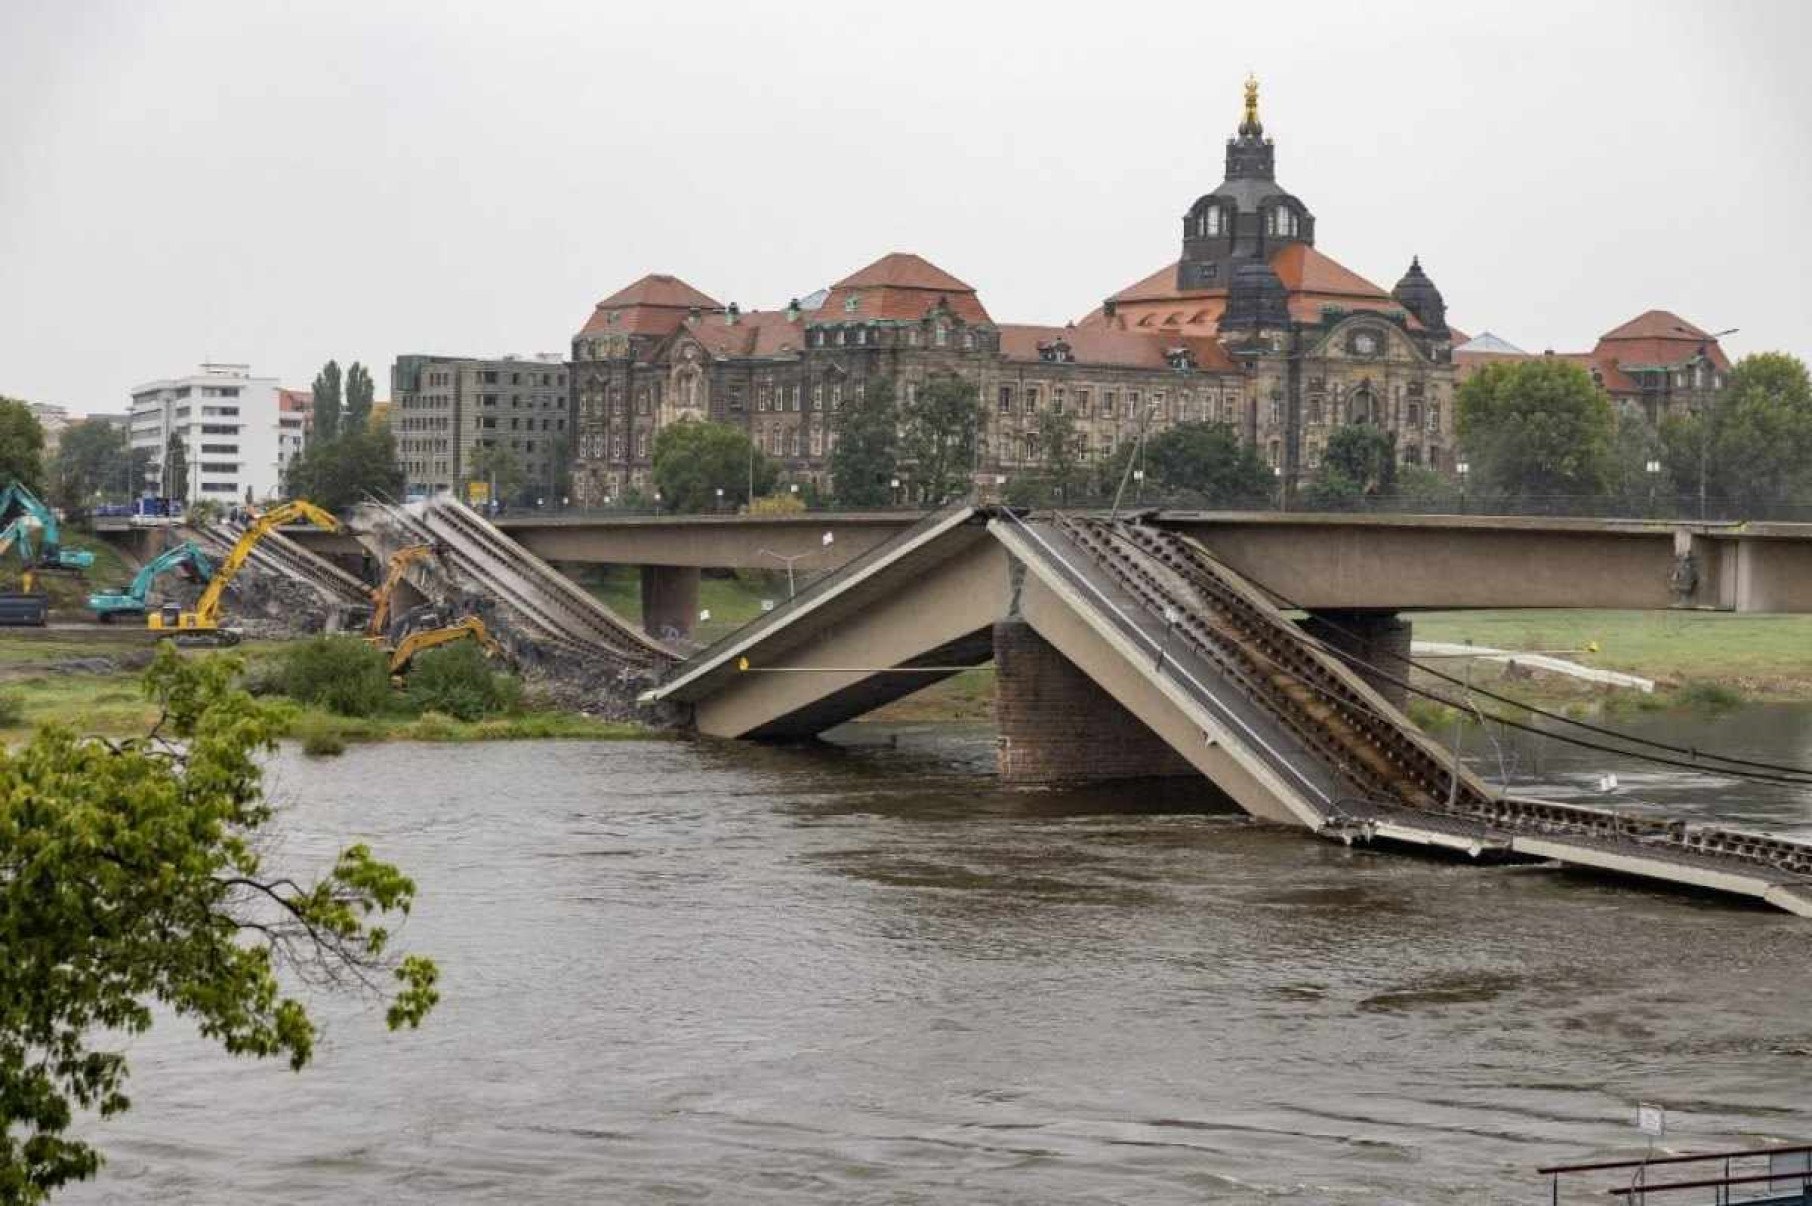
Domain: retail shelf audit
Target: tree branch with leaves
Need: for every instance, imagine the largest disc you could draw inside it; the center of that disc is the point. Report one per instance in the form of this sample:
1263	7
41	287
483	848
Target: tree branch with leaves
132	875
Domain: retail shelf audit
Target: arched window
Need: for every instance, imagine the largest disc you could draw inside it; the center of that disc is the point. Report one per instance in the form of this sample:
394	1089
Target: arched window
1208	222
1283	221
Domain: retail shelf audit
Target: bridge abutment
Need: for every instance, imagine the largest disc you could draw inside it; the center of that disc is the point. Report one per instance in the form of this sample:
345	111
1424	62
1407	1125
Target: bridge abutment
669	600
1055	725
1378	638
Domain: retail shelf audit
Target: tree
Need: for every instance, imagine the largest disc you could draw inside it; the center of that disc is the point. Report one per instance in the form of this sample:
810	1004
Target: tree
176	468
338	473
21	445
1536	428
1359	463
359	392
93	458
498	467
1752	448
1060	449
1204	464
134	878
327	403
866	453
1635	445
941	421
694	460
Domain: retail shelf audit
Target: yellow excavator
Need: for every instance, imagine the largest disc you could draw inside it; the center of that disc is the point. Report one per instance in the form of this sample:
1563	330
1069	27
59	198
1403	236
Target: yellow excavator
203	624
377	628
422	640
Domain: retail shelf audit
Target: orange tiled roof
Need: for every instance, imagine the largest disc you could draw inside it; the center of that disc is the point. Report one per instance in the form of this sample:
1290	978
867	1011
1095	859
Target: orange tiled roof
1657	337
659	289
759	333
1313	280
1112	346
1656	324
899	287
654	305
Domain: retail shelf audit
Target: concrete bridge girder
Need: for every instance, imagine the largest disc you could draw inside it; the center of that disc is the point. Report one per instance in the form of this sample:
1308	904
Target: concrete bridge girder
1077	628
853	650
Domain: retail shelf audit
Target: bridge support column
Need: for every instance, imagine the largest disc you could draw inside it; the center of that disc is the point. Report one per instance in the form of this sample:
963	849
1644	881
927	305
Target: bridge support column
1055	724
1379	638
669	600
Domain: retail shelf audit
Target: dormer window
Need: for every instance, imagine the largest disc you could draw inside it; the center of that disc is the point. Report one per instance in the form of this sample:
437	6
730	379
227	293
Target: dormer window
1208	223
1283	222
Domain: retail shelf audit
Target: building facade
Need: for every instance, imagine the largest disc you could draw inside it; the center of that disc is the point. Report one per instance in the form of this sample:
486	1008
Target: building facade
444	409
295	419
1250	326
228	424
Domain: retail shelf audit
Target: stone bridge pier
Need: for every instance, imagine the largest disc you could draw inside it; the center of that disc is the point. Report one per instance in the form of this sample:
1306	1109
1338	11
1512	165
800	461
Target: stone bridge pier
669	600
1053	724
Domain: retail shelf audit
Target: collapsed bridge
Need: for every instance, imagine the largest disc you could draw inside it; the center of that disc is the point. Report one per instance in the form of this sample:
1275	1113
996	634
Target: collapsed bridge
1124	650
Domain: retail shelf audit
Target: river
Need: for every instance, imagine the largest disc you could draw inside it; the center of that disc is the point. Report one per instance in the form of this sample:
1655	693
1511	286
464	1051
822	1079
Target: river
680	972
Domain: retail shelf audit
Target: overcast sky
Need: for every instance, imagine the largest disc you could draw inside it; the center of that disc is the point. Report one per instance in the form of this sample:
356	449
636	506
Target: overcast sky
279	183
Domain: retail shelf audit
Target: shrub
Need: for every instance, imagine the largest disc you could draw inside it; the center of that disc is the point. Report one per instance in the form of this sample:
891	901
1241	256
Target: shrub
322	741
1697	693
12	709
342	674
458	680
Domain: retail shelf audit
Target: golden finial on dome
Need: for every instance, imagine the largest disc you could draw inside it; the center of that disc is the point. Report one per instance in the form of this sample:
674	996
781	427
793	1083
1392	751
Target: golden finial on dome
1251	99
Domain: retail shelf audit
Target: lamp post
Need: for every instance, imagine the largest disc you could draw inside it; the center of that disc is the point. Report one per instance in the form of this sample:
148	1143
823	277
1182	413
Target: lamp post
1462	469
720	498
1138	489
787	559
894	488
1277	472
1653	469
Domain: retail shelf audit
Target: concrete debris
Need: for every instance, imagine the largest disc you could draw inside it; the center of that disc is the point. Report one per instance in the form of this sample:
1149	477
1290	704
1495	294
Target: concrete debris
572	652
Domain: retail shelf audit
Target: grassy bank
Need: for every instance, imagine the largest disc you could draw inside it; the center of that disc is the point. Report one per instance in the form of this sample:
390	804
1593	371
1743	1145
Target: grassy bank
41	683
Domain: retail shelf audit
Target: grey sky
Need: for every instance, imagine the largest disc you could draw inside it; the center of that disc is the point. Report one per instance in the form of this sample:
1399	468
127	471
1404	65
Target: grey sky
283	182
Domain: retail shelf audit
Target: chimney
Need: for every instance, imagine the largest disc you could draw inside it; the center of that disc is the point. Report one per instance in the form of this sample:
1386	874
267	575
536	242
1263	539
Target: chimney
1110	308
732	314
792	310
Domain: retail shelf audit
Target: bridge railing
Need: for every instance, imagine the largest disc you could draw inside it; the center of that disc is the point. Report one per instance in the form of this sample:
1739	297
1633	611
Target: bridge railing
1659	508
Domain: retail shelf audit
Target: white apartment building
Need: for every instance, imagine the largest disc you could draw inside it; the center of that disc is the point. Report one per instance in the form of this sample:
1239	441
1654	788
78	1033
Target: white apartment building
229	425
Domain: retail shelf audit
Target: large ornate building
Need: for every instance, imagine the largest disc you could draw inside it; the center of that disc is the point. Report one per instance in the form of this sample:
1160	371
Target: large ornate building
1251	326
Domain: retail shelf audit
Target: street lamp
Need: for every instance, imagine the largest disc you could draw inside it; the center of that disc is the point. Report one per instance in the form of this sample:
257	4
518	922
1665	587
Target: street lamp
1653	469
1138	492
894	486
720	498
1462	469
1277	472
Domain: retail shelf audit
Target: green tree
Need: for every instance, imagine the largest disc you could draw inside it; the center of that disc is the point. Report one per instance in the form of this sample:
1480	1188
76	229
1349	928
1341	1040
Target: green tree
21	445
338	473
940	425
327	403
694	460
94	458
359	393
1536	428
176	468
1201	464
1635	445
1060	449
1751	450
134	877
1359	463
498	467
866	452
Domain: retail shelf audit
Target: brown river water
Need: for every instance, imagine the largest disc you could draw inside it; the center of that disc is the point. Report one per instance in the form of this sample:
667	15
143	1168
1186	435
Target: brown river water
680	972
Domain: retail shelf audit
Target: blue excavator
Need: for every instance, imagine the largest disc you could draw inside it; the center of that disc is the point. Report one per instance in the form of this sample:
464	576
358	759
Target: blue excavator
130	600
17	502
27	607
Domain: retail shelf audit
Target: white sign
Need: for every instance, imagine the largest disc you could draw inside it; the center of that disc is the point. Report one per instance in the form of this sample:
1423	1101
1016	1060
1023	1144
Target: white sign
767	605
1651	1119
704	615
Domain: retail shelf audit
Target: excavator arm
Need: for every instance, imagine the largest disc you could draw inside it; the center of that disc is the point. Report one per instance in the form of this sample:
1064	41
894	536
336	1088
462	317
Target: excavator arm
400	561
206	616
417	643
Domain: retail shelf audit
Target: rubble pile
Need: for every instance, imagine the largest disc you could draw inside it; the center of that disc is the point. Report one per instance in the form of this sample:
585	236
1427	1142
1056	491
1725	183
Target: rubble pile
564	670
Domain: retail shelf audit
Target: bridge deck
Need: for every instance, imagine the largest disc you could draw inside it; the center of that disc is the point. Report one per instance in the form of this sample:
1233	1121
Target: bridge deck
1280	723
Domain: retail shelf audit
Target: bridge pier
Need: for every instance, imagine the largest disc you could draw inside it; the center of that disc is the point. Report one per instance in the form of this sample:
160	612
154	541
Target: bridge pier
669	600
1055	725
1378	638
